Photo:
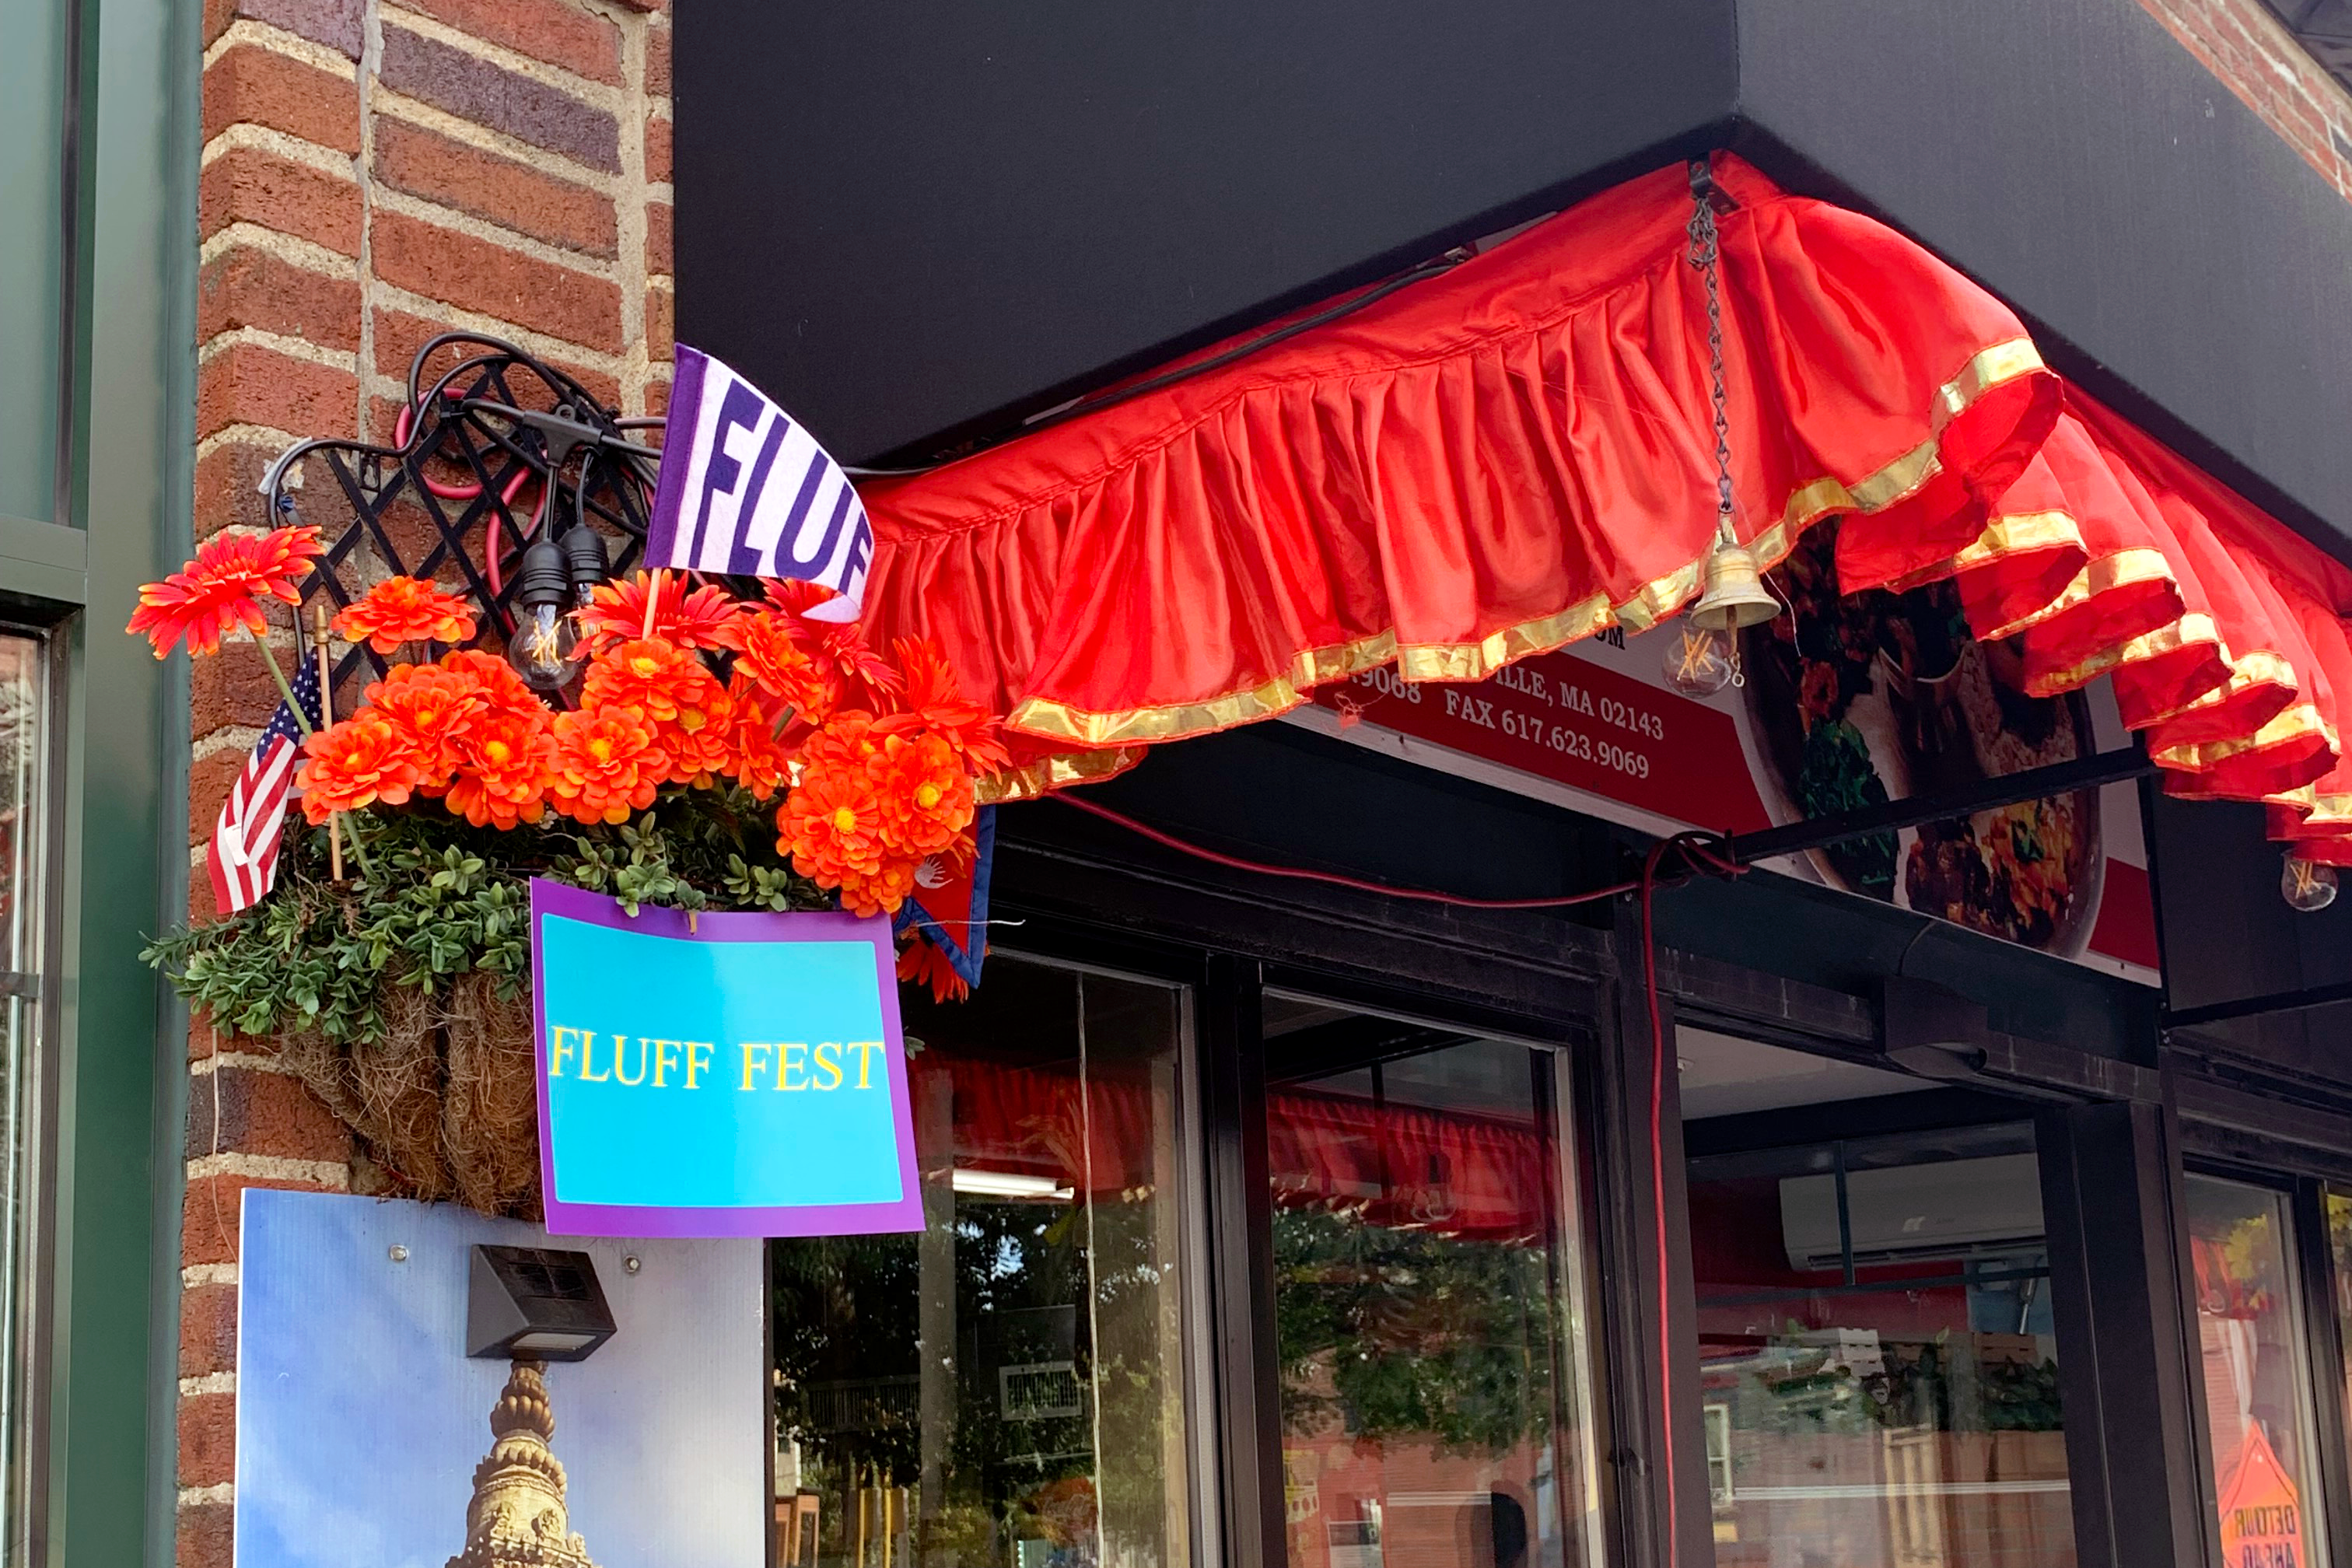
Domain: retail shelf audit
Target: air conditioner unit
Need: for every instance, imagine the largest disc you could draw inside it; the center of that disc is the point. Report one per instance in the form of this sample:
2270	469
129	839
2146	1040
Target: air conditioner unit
1914	1211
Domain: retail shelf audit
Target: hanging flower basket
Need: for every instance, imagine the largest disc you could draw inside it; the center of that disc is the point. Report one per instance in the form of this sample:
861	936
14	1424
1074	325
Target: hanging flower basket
686	744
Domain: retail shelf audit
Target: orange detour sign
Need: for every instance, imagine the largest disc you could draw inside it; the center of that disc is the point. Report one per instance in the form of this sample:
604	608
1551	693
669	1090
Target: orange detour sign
2261	1518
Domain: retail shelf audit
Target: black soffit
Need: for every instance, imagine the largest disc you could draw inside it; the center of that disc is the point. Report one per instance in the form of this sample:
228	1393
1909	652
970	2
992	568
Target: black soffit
917	224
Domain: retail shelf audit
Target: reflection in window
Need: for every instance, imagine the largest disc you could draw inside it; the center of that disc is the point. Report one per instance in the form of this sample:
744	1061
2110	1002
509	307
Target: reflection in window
1006	1389
2258	1390
1879	1366
1428	1301
23	769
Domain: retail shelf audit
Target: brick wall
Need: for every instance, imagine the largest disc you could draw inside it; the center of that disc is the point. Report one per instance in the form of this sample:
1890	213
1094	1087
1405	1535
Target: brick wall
2242	43
375	171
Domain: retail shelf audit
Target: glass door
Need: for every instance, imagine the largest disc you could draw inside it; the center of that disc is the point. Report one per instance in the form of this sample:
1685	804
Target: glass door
1431	1326
1879	1366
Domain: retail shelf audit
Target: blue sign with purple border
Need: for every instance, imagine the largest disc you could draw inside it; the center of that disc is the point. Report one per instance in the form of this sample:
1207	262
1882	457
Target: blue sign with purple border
742	1075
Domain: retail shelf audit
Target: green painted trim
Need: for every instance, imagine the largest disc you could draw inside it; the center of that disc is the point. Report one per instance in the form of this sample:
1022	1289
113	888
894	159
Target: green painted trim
44	561
120	1060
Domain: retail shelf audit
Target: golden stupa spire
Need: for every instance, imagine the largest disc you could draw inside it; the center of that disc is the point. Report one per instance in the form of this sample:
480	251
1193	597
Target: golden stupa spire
516	1518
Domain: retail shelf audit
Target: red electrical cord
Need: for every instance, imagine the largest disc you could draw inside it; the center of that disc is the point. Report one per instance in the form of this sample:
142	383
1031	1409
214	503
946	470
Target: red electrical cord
1698	853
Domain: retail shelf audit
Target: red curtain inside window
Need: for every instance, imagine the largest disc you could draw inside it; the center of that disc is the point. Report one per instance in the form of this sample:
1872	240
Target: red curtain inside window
1520	453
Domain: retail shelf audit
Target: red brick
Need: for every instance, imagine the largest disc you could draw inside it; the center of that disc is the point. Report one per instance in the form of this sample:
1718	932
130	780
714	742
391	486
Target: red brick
246	184
230	689
248	288
251	85
487	93
661	309
207	1439
478	276
228	479
206	1535
660	243
256	1112
657	150
334	23
546	30
245	383
658	61
207	1330
409	158
202	1040
209	1214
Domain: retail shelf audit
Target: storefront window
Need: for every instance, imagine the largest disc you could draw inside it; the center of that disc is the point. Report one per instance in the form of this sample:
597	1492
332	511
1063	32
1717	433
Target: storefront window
1878	1365
1008	1388
2259	1409
1429	1313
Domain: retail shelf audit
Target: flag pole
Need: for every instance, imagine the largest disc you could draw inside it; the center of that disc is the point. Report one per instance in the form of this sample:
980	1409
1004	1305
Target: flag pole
319	635
652	602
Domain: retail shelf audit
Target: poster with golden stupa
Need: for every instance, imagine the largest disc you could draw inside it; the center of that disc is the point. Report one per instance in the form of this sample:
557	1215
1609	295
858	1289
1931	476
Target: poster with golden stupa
368	1438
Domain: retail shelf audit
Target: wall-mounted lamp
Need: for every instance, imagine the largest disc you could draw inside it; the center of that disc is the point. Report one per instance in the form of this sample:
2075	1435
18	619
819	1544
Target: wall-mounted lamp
533	1303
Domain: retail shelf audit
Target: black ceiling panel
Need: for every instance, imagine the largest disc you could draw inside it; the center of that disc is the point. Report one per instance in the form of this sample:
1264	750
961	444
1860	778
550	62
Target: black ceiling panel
911	219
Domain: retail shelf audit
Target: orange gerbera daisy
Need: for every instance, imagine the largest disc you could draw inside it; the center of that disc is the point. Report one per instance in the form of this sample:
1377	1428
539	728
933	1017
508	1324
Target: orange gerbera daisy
784	664
697	619
224	586
841	645
648	674
607	764
931	702
882	893
404	610
699	739
434	708
504	763
922	791
355	763
921	964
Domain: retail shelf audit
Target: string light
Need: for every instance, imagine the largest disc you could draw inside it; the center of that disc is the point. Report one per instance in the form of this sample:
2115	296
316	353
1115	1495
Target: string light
2308	886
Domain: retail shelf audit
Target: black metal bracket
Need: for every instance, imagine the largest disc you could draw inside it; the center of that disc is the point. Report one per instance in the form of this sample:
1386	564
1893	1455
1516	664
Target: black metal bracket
1964	800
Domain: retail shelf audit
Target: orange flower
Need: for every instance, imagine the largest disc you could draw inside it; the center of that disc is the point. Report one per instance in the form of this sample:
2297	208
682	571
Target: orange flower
922	791
355	763
920	963
501	686
703	618
932	701
648	674
786	666
433	708
842	647
883	892
832	827
404	610
700	738
504	761
755	758
224	586
607	764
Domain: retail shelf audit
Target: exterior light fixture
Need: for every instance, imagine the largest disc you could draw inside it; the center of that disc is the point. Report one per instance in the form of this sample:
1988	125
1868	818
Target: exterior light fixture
2308	886
545	646
1008	1185
533	1303
1704	656
585	561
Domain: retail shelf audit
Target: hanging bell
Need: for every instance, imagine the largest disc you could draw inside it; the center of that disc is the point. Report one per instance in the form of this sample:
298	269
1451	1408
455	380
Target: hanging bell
1735	594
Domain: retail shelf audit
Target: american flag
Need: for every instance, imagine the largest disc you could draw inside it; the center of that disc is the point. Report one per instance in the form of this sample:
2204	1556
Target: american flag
243	857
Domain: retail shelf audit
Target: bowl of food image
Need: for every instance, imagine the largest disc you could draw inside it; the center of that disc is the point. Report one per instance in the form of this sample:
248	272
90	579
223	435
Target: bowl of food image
1856	701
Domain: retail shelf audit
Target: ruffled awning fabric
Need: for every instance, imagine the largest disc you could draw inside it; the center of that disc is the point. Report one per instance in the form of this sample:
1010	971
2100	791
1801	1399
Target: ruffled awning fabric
1519	453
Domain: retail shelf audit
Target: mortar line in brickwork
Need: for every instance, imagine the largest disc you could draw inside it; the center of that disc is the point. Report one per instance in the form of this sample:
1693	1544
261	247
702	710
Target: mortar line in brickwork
198	1497
371	62
424	211
630	220
245	30
393	297
292	347
333	1175
247	136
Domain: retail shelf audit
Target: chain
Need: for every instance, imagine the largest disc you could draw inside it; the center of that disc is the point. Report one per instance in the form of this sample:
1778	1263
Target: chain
1704	254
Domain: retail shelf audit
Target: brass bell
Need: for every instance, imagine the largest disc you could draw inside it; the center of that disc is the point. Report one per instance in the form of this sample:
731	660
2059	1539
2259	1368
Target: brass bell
1735	594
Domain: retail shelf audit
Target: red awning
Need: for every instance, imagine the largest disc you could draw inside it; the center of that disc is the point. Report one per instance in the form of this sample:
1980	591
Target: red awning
1520	453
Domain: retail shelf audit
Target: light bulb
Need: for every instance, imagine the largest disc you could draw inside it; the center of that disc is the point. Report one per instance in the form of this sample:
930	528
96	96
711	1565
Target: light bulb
545	648
2307	886
1700	662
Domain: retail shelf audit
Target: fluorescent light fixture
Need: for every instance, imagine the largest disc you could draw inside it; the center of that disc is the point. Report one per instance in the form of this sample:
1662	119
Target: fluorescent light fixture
548	1343
1008	1185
